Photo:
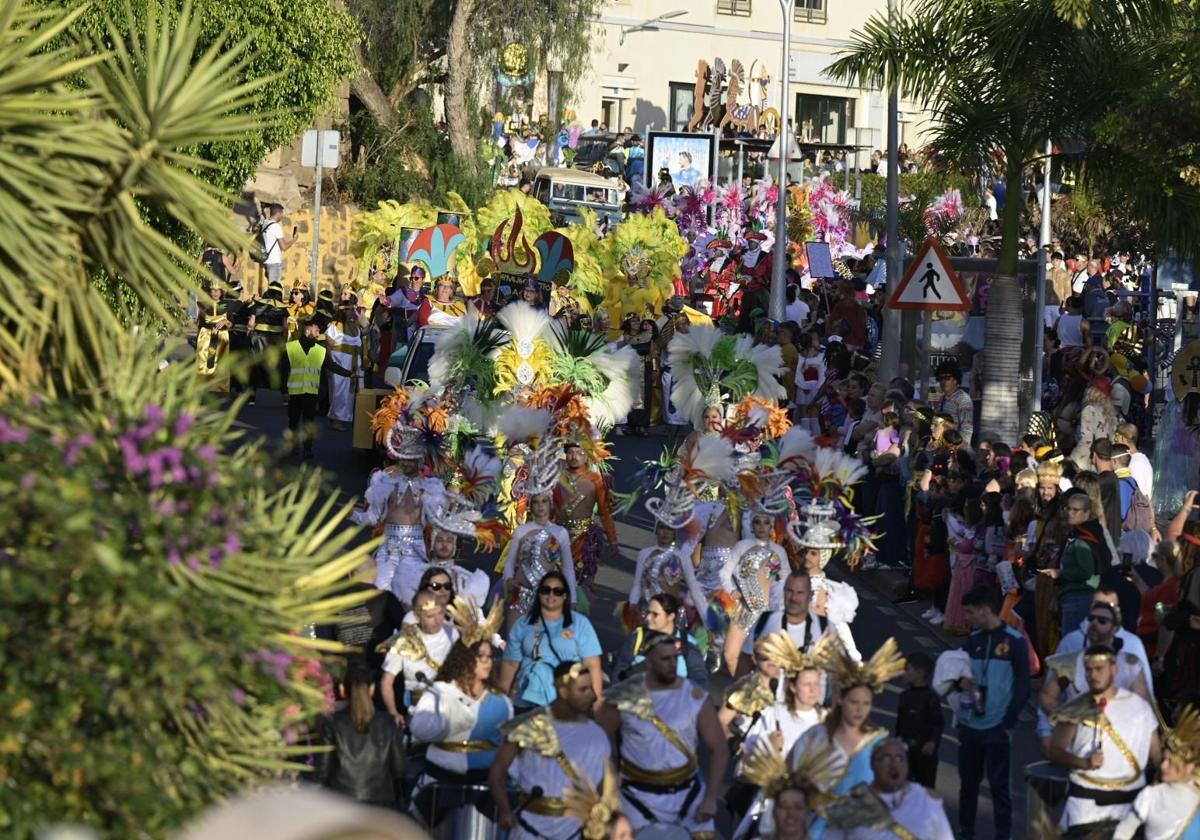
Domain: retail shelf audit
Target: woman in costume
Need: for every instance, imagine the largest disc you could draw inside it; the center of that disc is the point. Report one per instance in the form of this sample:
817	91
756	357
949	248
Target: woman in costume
460	715
300	308
598	811
788	793
783	723
442	309
847	729
538	546
212	335
1170	810
748	697
665	567
759	566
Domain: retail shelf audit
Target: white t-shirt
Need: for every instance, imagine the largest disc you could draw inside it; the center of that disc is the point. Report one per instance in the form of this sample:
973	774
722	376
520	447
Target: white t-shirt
990	202
1143	472
272	246
797	311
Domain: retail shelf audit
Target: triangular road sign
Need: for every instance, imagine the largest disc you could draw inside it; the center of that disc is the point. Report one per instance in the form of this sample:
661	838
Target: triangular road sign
931	283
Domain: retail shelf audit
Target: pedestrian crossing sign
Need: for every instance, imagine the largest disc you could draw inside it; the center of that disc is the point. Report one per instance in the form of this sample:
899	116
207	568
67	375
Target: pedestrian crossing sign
931	283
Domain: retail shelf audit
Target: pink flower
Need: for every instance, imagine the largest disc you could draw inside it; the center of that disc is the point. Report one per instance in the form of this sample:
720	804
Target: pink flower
27	481
12	434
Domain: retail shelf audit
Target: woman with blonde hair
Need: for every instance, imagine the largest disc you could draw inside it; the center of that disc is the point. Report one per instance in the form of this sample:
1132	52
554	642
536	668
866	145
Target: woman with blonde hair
367	760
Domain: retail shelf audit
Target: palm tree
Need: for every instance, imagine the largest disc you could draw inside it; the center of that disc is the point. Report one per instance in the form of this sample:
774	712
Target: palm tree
154	569
999	77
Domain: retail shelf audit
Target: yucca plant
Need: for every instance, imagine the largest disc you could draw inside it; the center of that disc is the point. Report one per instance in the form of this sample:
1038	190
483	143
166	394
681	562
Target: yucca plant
156	571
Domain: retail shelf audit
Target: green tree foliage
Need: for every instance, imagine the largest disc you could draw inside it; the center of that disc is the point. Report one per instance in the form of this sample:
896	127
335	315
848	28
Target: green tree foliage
305	48
155	571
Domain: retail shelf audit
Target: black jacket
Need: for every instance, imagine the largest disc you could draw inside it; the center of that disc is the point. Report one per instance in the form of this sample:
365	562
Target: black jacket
368	766
623	667
919	716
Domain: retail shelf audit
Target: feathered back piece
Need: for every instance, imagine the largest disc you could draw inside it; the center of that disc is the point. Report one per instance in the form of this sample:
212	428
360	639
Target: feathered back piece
780	649
816	771
709	364
795	450
524	361
464	612
595	809
834	473
464	354
524	424
886	664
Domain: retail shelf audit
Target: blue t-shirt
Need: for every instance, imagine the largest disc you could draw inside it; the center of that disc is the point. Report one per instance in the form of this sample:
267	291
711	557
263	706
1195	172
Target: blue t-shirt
540	646
1000	666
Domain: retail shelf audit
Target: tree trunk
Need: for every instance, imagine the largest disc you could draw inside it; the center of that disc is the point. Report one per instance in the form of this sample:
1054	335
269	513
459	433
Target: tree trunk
459	61
370	94
1000	414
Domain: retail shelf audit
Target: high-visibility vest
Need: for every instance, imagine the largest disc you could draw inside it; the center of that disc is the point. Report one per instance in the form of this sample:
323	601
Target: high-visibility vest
304	376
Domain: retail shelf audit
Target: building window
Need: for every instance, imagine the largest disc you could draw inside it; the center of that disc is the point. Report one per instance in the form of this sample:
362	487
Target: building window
741	8
810	11
683	100
824	119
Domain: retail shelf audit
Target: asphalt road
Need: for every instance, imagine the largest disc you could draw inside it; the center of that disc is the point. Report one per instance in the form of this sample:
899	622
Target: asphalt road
347	469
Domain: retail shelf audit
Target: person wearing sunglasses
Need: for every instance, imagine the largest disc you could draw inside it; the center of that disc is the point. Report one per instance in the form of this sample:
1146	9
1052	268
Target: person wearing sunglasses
412	569
537	546
1084	555
1067	677
550	633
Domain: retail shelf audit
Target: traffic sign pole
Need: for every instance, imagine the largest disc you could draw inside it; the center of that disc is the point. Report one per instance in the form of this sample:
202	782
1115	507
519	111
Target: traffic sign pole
316	226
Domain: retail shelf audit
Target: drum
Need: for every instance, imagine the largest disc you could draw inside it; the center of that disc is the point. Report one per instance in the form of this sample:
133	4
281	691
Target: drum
459	812
1047	790
663	831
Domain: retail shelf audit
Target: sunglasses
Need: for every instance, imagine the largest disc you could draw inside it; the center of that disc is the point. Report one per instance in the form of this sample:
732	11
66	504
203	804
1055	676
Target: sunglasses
556	591
1099	619
438	587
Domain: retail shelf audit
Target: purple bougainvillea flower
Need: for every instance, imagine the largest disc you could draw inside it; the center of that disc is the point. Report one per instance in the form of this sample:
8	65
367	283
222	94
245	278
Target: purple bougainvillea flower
12	434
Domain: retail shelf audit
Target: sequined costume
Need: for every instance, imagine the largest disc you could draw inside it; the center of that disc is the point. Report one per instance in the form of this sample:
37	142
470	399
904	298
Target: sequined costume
756	561
589	534
667	570
400	541
533	551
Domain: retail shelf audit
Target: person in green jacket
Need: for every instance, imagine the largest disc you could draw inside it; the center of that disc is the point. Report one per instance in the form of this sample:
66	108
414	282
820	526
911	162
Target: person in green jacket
1084	555
304	363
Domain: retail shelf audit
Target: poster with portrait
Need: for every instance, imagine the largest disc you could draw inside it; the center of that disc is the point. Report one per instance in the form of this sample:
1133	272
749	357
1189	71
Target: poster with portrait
689	158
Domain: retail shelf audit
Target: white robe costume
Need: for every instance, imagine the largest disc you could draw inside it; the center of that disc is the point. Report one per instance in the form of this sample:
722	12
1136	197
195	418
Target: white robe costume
344	350
913	808
1166	811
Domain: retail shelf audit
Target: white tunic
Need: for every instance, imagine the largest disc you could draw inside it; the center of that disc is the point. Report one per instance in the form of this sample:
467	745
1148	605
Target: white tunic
344	350
778	717
913	808
446	713
1164	810
643	746
469	584
1134	721
588	748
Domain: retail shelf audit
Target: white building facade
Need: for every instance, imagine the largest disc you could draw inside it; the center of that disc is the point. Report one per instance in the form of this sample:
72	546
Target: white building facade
643	73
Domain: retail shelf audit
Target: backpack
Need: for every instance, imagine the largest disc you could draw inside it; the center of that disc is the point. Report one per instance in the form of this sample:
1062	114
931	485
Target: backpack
1139	516
258	251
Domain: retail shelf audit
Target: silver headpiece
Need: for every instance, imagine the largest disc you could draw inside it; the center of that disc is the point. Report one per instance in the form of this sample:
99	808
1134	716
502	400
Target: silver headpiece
543	466
678	504
454	514
820	530
405	442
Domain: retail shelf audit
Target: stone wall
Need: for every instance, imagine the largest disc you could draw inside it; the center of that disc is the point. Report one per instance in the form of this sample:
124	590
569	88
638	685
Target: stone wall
337	263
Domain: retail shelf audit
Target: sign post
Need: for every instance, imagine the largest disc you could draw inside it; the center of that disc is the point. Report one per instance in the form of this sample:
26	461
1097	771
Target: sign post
319	149
930	285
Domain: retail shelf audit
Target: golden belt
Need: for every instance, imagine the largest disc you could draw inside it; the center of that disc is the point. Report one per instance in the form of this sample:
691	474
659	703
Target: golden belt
348	349
666	778
576	526
544	806
271	328
465	746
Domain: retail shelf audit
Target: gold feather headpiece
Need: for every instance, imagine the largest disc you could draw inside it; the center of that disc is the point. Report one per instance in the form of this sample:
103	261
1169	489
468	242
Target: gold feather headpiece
780	649
464	612
595	809
1183	739
816	770
576	671
886	664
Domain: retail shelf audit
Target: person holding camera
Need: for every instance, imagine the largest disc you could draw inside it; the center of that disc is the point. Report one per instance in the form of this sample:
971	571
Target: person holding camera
274	243
993	697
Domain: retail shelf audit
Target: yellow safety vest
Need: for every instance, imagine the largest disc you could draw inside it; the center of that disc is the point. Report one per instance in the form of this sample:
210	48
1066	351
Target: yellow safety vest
304	376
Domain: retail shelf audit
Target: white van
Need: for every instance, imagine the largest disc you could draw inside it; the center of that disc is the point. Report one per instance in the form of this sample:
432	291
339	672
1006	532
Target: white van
564	191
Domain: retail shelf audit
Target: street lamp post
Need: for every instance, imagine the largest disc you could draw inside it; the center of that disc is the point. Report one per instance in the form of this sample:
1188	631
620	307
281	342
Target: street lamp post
779	257
889	362
646	24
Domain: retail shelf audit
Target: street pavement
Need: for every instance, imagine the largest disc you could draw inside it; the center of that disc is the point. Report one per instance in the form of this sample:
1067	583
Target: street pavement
347	470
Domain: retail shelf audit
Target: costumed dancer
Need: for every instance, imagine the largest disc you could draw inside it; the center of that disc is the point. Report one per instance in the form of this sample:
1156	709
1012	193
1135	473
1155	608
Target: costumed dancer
415	654
460	715
300	308
847	728
890	806
434	249
538	545
240	314
343	341
399	498
534	755
666	566
782	723
582	507
759	565
599	811
270	335
451	517
660	719
790	793
212	336
1105	738
442	309
748	697
1170	810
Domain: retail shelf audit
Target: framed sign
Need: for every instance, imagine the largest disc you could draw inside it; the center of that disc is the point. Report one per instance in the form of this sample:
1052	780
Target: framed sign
689	158
820	261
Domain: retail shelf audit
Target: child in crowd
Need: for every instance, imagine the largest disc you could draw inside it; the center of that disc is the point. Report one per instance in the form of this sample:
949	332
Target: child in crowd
810	376
963	531
919	719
